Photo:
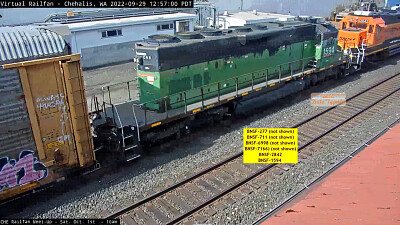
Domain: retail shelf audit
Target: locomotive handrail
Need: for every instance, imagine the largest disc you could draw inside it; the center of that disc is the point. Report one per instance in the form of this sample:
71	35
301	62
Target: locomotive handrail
125	82
115	112
182	100
137	124
105	110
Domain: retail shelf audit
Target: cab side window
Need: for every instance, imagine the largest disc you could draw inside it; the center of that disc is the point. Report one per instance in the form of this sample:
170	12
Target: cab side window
371	29
343	26
378	29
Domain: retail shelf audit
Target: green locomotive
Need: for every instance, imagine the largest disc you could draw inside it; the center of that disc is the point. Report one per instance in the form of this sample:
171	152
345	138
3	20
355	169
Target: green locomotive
197	78
191	67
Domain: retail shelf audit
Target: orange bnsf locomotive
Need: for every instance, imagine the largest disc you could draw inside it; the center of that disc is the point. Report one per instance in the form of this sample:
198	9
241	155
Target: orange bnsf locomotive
366	33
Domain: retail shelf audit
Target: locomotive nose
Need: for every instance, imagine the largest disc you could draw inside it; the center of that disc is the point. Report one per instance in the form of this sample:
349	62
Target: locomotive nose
351	38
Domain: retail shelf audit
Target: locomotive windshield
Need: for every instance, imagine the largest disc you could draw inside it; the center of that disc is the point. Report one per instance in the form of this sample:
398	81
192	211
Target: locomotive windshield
147	60
358	25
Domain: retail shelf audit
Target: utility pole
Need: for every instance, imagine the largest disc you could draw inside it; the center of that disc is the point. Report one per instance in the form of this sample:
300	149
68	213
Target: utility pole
241	5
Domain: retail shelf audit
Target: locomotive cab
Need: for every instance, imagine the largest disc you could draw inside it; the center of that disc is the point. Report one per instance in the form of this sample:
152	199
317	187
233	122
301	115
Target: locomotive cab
363	30
326	45
358	31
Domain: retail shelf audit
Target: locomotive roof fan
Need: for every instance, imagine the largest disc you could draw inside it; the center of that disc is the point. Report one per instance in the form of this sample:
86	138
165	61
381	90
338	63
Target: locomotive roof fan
190	35
162	39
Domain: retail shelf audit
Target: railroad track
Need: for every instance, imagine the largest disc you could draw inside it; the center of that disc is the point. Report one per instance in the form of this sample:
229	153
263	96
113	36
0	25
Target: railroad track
182	200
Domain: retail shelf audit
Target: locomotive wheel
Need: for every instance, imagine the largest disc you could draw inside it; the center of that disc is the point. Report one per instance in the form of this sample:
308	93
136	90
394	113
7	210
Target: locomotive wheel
307	83
178	135
232	107
340	75
187	130
314	80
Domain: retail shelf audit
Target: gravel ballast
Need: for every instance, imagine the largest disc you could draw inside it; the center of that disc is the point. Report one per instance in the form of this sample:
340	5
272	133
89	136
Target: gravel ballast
164	167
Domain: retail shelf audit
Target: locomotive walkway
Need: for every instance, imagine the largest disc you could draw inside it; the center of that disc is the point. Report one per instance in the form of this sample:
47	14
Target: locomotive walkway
188	201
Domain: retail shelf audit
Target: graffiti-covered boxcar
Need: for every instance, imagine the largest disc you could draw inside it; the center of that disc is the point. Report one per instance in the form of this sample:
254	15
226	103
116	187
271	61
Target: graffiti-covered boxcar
45	129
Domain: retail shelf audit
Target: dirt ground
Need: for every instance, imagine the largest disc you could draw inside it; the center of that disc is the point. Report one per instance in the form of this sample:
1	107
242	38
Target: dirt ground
117	75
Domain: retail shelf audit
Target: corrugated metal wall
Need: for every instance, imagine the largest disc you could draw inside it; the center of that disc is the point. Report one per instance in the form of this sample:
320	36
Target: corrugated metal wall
15	130
21	44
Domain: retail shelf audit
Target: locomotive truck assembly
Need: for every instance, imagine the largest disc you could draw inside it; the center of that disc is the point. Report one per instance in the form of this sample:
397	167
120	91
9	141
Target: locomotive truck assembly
48	132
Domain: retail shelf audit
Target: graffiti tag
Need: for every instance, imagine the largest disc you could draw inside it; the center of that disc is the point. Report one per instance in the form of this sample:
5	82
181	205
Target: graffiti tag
56	101
51	101
21	171
63	120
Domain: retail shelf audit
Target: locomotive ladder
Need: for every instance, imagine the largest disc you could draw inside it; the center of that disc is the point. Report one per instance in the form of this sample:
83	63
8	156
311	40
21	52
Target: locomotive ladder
129	138
363	45
359	55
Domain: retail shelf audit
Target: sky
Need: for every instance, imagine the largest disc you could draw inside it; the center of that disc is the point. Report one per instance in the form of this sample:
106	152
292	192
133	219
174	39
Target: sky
295	7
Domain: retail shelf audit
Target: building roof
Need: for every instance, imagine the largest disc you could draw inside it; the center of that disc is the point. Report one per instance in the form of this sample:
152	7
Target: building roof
23	42
76	16
112	23
259	17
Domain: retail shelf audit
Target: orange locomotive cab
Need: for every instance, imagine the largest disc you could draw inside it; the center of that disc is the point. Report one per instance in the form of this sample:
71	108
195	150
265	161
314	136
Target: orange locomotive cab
370	32
358	30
